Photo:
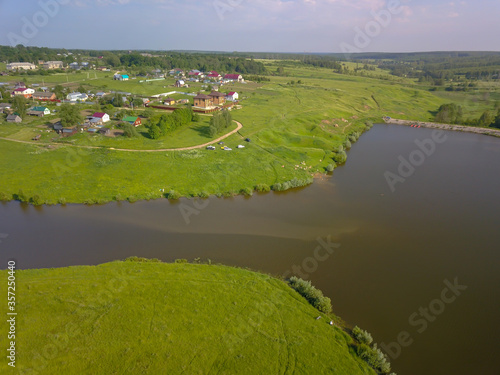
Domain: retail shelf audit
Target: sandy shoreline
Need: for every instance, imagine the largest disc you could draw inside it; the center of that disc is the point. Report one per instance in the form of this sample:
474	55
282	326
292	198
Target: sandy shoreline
461	128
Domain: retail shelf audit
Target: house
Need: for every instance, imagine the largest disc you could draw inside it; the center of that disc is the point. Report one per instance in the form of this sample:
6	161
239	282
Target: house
76	96
232	96
27	93
100	94
21	66
214	75
183	101
14	118
180	83
53	65
136	121
218	98
100	117
234	77
85	64
44	96
74	65
169	101
39	111
203	101
5	106
121	77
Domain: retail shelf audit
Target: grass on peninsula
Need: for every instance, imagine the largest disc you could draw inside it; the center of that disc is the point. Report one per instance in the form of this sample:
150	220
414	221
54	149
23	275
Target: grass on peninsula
156	318
294	129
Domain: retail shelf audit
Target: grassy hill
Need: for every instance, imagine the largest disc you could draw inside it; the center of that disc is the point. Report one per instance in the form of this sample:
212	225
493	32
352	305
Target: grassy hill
155	318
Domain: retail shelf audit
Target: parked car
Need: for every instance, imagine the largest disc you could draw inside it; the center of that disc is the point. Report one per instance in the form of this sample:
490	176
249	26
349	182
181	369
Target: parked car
241	146
221	143
210	148
247	140
227	148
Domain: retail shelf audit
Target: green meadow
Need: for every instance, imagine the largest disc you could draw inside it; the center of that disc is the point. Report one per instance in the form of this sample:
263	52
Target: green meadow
144	318
296	124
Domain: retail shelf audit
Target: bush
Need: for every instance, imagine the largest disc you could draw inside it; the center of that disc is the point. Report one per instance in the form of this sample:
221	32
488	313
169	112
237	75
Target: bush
4	197
347	144
369	124
340	157
173	195
330	168
36	200
204	195
20	196
62	201
311	294
263	188
181	261
375	358
247	192
362	336
132	199
142	260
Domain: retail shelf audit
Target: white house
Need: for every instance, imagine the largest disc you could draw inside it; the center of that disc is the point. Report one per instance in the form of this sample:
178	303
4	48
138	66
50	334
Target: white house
121	77
20	66
75	96
100	117
232	96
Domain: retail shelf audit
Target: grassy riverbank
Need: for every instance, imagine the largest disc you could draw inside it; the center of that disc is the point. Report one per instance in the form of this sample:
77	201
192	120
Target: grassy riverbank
153	318
296	131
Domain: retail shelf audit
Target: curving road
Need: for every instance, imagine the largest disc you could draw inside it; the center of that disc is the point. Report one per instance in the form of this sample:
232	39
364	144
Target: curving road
238	128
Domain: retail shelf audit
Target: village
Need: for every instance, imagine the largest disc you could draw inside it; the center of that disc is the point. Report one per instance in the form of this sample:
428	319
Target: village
204	92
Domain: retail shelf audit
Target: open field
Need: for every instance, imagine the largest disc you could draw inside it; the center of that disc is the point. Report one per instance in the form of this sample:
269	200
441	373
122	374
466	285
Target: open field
295	130
131	318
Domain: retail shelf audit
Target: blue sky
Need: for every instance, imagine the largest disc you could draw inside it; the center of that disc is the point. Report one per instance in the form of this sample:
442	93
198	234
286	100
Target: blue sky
254	25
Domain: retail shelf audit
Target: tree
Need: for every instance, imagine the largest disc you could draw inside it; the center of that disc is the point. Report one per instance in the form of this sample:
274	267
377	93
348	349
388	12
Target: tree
81	89
70	115
496	124
19	105
154	132
59	91
486	119
449	114
129	130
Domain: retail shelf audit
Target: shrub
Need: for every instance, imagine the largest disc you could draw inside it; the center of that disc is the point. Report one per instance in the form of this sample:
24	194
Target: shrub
262	188
311	294
36	200
369	124
20	196
247	192
204	195
132	199
347	144
4	197
180	261
330	168
362	336
375	358
340	157
173	195
142	260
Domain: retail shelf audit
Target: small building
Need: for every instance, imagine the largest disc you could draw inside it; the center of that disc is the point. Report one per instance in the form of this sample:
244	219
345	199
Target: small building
100	94
39	111
105	131
21	66
75	65
203	101
180	83
234	77
132	120
121	77
44	96
14	119
218	98
183	101
214	75
232	96
23	91
68	132
169	101
49	65
100	117
5	106
77	96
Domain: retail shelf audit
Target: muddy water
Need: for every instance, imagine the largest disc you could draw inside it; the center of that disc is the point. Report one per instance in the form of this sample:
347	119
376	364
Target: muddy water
394	261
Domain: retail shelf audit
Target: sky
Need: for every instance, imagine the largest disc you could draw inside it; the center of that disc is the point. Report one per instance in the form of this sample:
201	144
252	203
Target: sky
254	25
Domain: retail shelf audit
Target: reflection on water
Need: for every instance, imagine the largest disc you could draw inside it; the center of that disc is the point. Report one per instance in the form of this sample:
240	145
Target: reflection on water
396	249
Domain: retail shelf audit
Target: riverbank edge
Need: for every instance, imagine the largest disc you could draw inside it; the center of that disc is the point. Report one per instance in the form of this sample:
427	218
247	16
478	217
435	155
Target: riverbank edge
434	125
174	196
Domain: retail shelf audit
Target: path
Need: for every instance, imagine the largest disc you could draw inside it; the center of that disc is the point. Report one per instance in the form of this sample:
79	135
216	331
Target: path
469	129
238	128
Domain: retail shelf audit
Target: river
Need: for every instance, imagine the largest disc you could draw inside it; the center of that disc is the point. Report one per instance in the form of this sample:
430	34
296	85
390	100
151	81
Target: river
416	263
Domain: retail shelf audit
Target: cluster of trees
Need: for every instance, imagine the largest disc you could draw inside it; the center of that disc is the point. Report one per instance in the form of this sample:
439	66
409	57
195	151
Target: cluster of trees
164	124
70	115
314	296
453	114
219	122
370	353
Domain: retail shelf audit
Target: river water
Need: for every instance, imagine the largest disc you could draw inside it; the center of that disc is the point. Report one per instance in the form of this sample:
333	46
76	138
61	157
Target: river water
417	264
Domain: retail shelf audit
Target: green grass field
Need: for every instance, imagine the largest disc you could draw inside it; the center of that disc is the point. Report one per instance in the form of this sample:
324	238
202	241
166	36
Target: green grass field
290	125
155	318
